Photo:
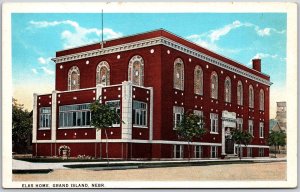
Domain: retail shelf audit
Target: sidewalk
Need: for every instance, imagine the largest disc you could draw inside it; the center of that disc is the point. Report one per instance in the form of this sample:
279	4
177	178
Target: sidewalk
24	165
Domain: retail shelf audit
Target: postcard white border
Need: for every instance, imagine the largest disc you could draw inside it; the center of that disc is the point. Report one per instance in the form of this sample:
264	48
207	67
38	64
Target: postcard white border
80	7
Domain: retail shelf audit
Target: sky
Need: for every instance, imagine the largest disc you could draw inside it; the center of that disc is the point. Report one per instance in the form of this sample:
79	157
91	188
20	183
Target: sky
240	36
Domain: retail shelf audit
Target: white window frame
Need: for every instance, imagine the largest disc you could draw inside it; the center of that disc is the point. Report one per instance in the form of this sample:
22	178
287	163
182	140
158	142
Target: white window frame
199	113
131	73
239	123
214	87
71	111
214	123
261	152
177	112
240	93
71	70
261	129
180	152
45	118
181	85
213	153
227	95
103	64
142	111
251	97
261	100
249	152
198	151
250	127
198	68
116	108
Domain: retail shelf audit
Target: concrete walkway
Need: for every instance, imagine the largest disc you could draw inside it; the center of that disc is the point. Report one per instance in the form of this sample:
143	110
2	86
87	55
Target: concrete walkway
24	165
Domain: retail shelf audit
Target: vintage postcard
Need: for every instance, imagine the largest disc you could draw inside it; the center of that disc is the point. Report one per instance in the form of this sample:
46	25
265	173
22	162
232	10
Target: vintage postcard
149	95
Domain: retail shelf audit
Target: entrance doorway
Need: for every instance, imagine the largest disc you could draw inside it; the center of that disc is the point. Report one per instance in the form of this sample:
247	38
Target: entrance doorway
229	143
229	146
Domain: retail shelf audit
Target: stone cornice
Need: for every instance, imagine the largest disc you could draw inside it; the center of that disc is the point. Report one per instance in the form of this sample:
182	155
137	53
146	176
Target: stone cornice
109	50
161	41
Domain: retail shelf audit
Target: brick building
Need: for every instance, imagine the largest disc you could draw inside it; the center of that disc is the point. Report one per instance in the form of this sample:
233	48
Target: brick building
151	79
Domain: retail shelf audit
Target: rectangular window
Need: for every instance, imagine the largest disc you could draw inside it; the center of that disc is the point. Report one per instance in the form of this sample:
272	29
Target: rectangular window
139	114
250	127
198	152
261	152
177	115
213	152
115	105
239	151
214	123
249	152
199	113
45	117
239	123
75	115
178	151
261	130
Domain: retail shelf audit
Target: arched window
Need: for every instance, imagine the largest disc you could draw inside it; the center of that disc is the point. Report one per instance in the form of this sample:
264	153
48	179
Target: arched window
178	74
251	96
261	100
136	70
74	78
240	93
214	85
227	90
198	80
103	73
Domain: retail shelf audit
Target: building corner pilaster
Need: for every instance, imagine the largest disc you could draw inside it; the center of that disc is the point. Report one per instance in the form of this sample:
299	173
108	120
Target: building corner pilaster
151	114
127	110
53	116
223	139
34	116
99	88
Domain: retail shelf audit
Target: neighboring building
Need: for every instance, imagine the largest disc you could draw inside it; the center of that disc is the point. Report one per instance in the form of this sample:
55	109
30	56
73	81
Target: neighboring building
152	79
281	114
279	123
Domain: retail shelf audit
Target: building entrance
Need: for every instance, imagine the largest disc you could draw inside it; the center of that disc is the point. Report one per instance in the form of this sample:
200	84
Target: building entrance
229	143
228	124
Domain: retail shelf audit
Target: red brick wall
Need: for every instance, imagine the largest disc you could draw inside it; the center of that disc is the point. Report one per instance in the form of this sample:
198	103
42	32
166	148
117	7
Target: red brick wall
190	100
141	150
66	134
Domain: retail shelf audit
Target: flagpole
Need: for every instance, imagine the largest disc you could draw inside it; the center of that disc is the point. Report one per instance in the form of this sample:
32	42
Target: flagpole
102	43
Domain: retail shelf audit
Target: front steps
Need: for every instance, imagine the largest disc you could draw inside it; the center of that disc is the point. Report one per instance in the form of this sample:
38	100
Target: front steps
231	156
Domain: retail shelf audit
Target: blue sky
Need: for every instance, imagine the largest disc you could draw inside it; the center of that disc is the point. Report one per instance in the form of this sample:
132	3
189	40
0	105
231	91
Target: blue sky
241	37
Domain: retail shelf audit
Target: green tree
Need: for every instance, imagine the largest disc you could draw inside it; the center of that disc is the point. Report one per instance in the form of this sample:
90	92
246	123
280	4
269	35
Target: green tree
190	127
276	139
103	116
241	138
21	127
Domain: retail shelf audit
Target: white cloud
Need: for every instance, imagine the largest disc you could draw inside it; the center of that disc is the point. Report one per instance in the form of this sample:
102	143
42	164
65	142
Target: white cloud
263	32
78	35
203	41
47	71
44	61
208	39
217	33
34	71
264	55
267	31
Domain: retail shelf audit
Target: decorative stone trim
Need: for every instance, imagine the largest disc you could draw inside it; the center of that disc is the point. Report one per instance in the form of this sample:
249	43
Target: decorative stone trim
161	41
